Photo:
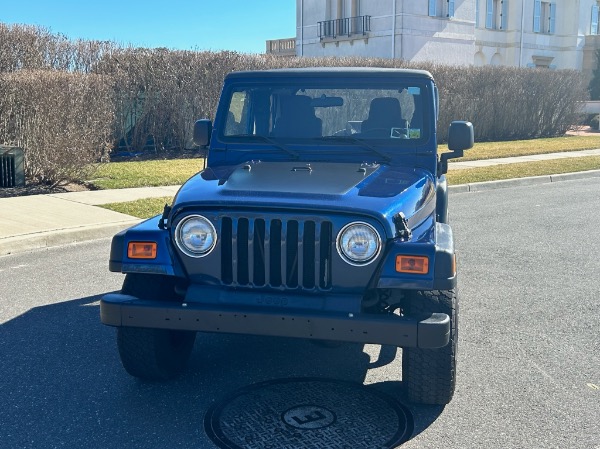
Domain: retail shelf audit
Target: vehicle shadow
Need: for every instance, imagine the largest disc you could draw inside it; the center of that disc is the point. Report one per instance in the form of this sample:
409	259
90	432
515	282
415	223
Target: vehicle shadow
62	384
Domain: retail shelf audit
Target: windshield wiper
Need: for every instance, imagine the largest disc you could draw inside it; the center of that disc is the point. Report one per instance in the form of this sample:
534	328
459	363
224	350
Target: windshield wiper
362	143
273	142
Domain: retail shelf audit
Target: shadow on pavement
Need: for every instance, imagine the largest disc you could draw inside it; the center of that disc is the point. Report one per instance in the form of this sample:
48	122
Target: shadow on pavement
62	385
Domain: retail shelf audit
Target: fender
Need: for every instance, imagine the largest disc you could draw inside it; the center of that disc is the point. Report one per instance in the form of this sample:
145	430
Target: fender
442	263
165	262
442	199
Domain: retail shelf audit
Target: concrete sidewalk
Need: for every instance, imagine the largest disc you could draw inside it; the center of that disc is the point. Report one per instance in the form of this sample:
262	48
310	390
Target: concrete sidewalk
39	221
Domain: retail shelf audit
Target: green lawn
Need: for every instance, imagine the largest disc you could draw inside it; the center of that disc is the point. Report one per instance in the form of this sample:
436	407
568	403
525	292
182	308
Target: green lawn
121	175
144	208
116	175
491	150
523	169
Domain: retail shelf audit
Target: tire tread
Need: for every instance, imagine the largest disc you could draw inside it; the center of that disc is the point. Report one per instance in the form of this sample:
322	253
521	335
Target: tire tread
430	374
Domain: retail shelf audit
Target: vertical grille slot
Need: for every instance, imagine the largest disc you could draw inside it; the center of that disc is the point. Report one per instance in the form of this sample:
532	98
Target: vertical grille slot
291	255
325	255
226	250
310	264
243	275
259	253
276	253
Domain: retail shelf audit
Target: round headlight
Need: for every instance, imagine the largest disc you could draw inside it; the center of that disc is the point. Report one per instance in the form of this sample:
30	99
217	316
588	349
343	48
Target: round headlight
195	236
358	243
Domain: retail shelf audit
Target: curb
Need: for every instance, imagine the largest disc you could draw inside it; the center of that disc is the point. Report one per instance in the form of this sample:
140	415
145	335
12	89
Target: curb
47	239
520	182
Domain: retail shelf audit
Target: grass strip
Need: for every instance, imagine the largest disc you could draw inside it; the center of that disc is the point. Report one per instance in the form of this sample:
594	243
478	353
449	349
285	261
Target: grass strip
119	175
523	170
144	208
492	150
122	175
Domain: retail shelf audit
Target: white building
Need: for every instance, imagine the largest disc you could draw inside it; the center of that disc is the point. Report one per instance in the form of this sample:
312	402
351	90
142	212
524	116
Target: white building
560	34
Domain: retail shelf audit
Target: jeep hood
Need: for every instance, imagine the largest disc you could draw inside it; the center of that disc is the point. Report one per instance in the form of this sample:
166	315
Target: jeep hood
379	191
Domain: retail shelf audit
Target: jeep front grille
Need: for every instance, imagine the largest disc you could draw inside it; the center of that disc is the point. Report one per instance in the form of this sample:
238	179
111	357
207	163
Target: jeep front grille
276	253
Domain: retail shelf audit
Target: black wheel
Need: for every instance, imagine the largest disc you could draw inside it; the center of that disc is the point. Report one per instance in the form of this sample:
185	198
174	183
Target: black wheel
430	374
153	354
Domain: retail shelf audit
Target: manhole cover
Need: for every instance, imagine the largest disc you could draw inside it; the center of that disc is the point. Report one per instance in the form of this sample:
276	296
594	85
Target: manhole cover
308	413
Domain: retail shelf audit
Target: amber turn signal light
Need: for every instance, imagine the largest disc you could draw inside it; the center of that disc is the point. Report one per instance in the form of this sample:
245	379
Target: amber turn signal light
412	264
141	250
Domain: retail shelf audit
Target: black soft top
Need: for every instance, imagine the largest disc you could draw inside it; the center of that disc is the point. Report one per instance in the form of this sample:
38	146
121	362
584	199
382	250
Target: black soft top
320	72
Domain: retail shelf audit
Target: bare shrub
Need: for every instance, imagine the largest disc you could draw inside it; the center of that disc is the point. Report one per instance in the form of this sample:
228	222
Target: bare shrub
61	120
29	47
153	96
506	103
503	103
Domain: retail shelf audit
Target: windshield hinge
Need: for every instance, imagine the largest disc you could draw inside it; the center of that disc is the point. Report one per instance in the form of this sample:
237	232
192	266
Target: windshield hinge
162	223
402	230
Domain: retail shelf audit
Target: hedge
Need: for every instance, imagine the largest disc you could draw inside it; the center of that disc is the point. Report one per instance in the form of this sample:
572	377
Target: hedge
68	103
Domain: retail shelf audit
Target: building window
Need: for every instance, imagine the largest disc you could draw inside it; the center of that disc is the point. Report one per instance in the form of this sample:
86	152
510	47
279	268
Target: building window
496	14
441	8
544	17
594	28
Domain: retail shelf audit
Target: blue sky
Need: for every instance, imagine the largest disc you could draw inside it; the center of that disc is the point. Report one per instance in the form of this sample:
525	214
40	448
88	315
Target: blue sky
239	25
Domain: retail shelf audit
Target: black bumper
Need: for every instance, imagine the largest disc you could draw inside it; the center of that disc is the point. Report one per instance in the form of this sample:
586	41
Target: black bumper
124	310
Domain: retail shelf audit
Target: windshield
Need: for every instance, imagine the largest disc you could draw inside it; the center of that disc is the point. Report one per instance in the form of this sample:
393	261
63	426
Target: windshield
382	115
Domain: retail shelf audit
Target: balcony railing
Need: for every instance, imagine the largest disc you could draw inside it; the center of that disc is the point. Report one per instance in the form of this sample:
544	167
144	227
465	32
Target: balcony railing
349	26
282	47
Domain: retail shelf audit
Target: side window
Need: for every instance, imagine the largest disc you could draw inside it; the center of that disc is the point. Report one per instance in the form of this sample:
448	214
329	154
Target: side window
237	114
409	102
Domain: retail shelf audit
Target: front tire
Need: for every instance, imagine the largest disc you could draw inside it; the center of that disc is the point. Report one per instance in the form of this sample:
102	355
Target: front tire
153	354
430	374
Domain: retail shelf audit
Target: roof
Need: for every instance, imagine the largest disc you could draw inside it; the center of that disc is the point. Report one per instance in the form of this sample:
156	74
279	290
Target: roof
332	72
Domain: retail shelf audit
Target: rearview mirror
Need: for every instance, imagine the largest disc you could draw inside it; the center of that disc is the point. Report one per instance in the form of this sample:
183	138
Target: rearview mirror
326	102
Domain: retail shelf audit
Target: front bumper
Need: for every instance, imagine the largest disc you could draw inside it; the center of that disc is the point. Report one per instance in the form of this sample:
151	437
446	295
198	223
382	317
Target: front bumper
124	310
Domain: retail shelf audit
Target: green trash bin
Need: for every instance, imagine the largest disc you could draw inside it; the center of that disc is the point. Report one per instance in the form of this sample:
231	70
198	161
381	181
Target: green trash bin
12	173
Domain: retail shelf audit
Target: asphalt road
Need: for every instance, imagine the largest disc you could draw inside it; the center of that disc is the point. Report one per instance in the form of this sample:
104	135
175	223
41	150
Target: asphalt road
529	350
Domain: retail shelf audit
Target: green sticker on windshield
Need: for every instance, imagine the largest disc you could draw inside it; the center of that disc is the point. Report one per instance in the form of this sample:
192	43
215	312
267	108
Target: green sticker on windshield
414	133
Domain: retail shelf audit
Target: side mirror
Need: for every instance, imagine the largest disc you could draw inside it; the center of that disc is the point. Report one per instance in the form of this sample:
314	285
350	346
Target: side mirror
202	132
460	137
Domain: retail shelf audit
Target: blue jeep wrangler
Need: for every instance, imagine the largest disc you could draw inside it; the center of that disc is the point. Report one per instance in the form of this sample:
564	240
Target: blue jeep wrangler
321	214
